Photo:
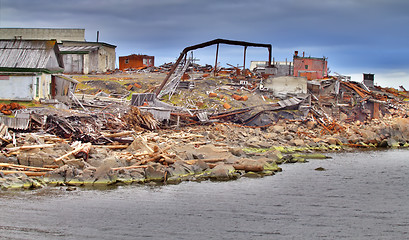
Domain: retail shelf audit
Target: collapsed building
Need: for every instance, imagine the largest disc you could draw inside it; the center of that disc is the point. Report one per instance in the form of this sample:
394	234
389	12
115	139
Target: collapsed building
300	92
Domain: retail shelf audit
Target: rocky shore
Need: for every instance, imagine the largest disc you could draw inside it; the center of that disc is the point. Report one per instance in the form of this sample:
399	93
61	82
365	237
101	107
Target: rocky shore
212	152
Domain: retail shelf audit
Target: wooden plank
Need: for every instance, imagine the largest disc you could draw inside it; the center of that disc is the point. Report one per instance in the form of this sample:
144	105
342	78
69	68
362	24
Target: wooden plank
28	173
30	147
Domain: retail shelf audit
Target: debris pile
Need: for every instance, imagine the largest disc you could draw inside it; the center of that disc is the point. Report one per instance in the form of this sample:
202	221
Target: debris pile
140	120
216	127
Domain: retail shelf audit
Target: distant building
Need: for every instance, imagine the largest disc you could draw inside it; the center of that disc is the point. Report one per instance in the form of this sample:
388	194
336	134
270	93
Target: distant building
278	69
369	80
29	71
136	61
310	67
87	57
79	56
59	34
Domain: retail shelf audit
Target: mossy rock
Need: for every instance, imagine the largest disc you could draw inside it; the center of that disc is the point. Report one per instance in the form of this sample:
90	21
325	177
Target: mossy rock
310	156
272	167
252	175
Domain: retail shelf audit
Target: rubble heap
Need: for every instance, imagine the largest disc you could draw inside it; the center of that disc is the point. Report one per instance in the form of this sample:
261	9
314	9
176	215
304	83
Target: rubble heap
218	129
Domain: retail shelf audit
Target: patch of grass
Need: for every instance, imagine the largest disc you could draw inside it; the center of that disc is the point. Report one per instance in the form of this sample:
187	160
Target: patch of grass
23	103
256	150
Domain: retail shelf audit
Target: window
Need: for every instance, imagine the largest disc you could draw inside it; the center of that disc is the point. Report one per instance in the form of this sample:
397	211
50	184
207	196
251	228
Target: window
306	66
37	86
126	61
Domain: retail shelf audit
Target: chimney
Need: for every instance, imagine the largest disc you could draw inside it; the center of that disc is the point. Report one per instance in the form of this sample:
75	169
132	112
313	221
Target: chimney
97	36
303	54
296	53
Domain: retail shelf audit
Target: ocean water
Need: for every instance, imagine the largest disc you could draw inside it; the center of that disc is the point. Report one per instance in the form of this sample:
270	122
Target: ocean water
360	195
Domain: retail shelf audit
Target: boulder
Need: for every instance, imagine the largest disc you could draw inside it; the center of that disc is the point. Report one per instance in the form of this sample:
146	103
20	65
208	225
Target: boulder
137	175
278	129
180	169
223	172
237	151
333	141
155	172
248	165
298	142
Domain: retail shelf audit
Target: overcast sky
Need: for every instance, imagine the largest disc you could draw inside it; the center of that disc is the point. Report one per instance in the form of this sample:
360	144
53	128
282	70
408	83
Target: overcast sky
357	36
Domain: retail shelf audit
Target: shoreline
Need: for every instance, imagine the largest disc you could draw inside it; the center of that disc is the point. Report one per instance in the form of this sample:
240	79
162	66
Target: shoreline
206	160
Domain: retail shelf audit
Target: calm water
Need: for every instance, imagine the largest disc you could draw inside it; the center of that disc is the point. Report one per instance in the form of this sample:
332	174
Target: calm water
359	196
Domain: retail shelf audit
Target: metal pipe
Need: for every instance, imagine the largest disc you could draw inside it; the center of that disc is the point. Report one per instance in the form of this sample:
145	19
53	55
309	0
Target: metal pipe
215	63
244	62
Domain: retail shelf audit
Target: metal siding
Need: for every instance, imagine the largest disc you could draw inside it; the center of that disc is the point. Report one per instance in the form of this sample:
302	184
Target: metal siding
20	123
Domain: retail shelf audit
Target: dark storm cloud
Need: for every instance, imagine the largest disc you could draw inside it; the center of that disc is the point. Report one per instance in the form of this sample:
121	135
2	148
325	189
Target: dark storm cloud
366	34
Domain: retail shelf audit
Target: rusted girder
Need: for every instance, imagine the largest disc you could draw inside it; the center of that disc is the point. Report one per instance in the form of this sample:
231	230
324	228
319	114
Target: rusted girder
209	43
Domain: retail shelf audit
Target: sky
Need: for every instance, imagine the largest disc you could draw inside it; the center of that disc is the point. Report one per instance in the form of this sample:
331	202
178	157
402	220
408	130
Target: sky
357	36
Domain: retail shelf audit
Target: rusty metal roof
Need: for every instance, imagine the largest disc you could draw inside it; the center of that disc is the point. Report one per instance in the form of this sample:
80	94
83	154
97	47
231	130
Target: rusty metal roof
31	54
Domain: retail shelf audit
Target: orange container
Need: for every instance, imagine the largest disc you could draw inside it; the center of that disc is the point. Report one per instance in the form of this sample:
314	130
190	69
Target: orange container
226	106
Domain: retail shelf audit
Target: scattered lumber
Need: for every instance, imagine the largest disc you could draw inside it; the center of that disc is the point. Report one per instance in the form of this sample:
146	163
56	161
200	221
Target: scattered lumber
17	166
30	147
140	120
28	173
78	147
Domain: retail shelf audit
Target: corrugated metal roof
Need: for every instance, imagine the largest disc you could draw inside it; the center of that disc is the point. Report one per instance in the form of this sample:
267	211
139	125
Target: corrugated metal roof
20	123
25	53
289	102
78	48
66	78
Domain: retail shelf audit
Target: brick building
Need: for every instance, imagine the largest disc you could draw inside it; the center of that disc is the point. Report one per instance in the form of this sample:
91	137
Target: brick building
310	67
136	61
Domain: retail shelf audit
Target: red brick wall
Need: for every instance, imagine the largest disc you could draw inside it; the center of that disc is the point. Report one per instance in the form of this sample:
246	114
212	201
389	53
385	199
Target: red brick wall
312	68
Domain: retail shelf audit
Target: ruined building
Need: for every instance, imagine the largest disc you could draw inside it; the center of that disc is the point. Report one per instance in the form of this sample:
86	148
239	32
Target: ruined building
310	67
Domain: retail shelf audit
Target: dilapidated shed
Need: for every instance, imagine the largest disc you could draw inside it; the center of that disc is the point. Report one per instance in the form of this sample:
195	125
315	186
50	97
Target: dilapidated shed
88	57
26	68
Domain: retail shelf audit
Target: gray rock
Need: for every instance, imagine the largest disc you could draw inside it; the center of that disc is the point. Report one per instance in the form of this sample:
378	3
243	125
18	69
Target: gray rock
155	172
223	172
278	128
237	151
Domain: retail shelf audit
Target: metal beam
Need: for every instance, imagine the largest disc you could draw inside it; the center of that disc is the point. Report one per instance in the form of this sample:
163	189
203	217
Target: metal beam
209	43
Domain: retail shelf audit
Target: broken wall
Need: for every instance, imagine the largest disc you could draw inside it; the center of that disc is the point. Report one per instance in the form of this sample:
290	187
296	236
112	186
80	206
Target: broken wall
281	86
